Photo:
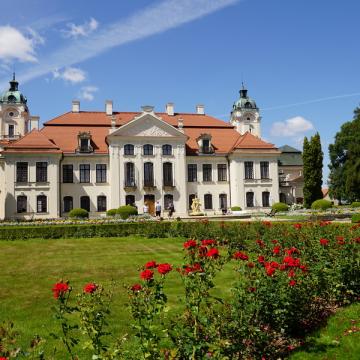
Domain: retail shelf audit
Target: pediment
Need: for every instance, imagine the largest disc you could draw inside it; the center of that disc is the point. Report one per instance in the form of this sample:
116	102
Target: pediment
147	126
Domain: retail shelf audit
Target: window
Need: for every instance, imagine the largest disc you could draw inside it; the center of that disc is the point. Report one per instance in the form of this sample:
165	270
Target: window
250	199
283	198
68	203
41	204
129	174
265	199
21	172
168	199
129	149
11	131
85	202
264	169
223	201
84	145
167	149
167	174
148	149
208	202
206	147
101	173
249	170
130	200
21	204
191	198
84	139
192	173
148	174
41	172
68	173
222	175
84	173
207	169
101	203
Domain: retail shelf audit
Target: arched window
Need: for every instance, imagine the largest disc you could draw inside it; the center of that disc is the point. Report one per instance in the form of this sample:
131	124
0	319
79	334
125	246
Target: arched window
223	201
148	149
129	149
167	149
249	199
21	204
208	202
168	199
41	204
68	203
129	174
101	203
85	202
148	174
130	200
168	174
265	199
191	198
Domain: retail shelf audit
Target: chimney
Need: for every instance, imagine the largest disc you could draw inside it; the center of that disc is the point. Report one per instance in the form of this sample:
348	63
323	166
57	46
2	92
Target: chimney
34	122
109	107
75	106
180	124
170	109
200	109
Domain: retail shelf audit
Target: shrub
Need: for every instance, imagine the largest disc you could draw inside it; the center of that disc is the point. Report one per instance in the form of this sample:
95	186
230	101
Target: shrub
112	212
355	204
321	204
78	213
280	206
355	218
235	208
126	211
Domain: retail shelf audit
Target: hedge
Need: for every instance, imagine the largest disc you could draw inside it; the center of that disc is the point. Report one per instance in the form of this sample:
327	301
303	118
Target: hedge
126	210
280	206
236	208
355	218
78	213
355	204
321	204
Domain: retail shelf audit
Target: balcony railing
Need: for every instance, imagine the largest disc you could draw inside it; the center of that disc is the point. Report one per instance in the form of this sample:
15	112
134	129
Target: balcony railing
149	184
130	184
168	183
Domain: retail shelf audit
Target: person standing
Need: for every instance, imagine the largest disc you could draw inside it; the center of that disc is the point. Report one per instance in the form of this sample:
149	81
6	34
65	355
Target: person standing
158	209
171	209
145	209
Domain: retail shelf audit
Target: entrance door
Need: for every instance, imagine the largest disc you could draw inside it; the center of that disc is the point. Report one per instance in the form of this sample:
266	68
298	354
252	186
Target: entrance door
149	200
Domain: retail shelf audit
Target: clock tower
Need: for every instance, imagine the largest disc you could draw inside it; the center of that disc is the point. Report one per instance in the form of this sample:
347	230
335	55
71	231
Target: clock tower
14	113
245	115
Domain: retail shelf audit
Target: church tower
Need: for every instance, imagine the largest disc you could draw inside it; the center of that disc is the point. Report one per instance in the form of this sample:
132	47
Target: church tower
245	115
14	113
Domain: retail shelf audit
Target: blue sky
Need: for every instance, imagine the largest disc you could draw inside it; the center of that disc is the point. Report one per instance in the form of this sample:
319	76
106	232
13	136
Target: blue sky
299	59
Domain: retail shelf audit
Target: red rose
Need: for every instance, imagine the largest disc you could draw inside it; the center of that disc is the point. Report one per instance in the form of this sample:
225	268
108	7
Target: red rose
3	358
190	244
208	242
277	250
340	240
274	264
270	270
261	259
267	223
150	265
90	288
324	242
303	268
59	289
297	226
291	273
282	267
274	241
260	243
136	287
202	250
163	269
213	253
292	282
240	256
250	264
147	274
251	289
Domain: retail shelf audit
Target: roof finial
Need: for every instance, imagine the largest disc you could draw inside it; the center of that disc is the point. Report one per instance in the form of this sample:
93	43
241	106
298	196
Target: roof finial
242	85
14	76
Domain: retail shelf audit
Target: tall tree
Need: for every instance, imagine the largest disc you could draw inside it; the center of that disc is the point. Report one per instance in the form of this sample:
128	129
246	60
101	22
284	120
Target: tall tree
345	161
313	164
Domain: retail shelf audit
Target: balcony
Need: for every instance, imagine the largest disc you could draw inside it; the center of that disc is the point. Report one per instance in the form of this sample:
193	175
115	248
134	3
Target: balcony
168	184
149	184
130	184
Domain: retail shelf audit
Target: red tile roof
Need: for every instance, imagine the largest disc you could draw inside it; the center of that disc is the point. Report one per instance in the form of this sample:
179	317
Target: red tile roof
249	141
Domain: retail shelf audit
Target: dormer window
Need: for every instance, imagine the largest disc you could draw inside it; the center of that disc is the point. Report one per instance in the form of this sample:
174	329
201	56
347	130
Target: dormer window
204	142
84	140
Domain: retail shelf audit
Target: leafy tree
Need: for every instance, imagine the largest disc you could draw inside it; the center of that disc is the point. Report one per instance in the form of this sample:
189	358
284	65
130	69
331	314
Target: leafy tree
313	164
345	161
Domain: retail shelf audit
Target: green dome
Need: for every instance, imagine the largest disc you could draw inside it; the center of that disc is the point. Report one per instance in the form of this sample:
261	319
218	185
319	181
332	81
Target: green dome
13	95
244	101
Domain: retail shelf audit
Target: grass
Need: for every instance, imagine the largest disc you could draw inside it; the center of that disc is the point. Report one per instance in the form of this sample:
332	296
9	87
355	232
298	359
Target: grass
338	340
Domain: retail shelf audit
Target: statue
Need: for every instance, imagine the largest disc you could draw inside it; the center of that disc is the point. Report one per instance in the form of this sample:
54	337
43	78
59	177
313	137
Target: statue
195	207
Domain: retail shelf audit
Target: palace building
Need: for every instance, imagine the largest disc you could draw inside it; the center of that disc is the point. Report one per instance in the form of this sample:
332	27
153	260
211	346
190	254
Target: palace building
105	159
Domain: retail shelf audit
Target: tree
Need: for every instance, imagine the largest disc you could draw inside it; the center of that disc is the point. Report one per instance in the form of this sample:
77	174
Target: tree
313	164
345	161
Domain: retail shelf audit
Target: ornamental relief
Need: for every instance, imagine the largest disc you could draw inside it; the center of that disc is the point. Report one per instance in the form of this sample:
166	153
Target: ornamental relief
151	131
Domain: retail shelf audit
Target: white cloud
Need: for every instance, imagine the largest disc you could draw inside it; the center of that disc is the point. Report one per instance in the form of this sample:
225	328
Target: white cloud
87	92
75	31
155	19
291	127
14	45
70	74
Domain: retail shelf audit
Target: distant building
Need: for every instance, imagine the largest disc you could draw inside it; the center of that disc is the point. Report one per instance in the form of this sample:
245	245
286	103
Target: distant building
291	175
98	160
